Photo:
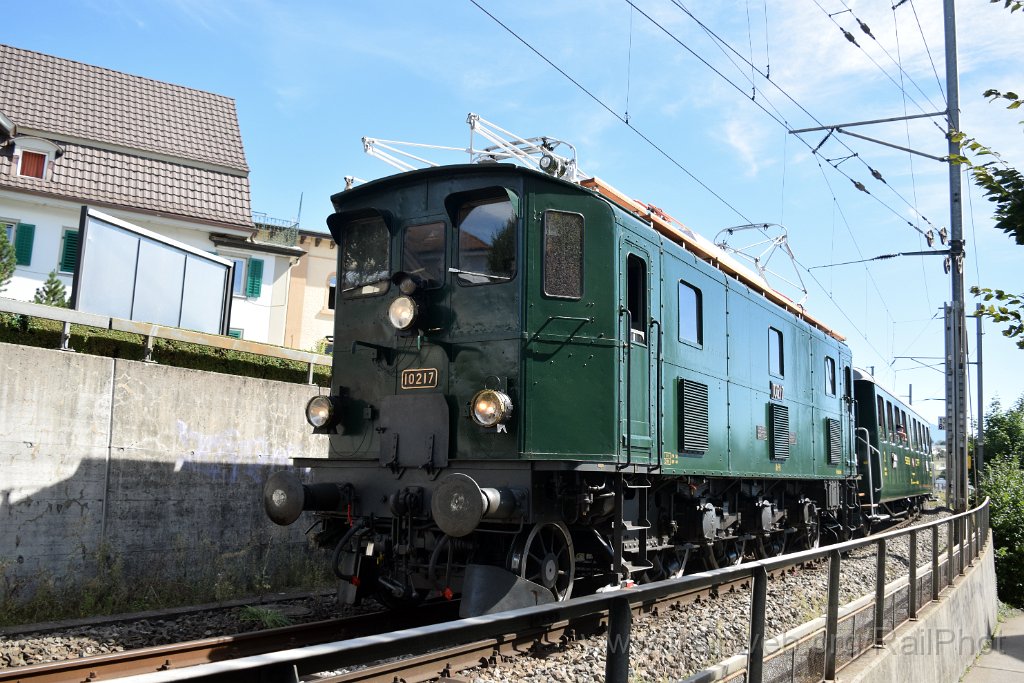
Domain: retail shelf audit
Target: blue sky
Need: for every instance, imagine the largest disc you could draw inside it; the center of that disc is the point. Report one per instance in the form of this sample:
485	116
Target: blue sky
310	78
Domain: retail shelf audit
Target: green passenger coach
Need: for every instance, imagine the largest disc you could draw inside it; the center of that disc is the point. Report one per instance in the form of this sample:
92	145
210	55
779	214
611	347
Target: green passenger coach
540	383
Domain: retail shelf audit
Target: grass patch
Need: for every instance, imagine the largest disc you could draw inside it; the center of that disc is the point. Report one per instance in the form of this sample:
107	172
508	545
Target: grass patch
263	617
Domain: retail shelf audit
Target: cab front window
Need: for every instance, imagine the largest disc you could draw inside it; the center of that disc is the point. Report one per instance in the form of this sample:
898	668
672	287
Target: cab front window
365	258
487	239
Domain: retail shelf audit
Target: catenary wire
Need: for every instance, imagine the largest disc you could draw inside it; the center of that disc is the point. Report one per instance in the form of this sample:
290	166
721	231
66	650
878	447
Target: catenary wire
614	113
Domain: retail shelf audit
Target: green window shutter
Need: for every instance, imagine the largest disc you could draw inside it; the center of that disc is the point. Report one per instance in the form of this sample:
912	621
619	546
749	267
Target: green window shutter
24	235
254	280
69	252
235	333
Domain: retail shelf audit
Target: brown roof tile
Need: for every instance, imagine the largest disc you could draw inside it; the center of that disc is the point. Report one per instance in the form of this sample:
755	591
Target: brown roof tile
68	98
90	174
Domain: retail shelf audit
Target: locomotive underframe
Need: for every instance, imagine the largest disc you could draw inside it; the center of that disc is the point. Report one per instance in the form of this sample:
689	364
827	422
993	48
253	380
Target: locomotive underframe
606	525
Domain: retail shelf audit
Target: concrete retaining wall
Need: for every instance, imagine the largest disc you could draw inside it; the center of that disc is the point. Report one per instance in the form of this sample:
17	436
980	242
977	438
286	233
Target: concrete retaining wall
946	638
154	471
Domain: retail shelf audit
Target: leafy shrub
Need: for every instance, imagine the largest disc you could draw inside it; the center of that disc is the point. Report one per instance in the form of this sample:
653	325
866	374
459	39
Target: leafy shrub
1003	482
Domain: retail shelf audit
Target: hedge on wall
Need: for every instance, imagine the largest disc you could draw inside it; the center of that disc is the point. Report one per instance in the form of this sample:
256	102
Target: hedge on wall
19	329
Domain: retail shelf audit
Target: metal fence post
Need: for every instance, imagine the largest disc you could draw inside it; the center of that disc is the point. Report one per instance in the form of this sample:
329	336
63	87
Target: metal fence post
912	580
961	539
935	562
949	552
970	538
832	616
620	621
880	595
758	603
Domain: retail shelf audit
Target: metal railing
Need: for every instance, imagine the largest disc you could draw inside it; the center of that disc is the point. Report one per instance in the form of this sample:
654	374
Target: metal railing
150	332
967	534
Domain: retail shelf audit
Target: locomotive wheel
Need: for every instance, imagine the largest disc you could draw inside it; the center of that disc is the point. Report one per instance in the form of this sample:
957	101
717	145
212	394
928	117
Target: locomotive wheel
723	553
810	537
770	545
545	556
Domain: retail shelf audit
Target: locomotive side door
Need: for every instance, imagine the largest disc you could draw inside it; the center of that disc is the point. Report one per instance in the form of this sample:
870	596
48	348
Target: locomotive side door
640	342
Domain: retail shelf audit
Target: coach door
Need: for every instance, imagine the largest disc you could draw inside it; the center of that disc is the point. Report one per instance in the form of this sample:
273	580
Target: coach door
640	337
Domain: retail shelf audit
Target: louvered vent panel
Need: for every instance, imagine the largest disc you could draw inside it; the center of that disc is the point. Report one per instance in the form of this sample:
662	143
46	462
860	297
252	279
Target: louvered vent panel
780	431
693	416
835	441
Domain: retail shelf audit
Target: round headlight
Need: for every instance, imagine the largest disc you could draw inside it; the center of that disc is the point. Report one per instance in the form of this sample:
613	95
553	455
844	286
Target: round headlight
402	312
319	411
491	407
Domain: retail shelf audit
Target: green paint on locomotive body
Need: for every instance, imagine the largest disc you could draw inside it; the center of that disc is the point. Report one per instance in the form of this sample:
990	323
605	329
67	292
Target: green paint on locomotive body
900	459
592	384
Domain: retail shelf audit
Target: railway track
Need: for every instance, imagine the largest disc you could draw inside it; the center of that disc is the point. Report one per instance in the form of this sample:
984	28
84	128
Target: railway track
110	667
444	663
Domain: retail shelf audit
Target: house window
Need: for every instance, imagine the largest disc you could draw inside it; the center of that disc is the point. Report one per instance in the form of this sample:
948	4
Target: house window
32	164
332	292
69	251
20	236
8	227
238	284
248	277
830	376
691	317
776	365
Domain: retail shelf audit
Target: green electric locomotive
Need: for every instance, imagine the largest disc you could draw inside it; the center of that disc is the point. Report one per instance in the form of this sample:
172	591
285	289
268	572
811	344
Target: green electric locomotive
541	386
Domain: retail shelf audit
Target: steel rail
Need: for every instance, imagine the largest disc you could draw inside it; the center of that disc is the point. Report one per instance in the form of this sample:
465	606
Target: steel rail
171	659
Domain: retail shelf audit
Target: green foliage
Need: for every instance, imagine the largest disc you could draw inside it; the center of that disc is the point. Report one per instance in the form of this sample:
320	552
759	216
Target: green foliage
1003	482
1004	431
113	344
1012	5
8	260
53	292
1007	308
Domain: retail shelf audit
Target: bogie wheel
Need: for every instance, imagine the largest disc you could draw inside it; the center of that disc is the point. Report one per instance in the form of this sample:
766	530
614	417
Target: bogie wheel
810	536
770	545
545	556
723	553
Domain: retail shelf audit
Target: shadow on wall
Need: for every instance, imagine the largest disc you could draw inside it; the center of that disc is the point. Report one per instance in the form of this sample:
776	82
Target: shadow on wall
131	534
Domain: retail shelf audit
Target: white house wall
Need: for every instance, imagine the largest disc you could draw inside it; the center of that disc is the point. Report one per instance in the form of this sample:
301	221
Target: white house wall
262	318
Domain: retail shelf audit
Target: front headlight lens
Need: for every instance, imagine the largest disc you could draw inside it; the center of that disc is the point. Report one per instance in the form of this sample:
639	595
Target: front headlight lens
402	312
491	407
319	411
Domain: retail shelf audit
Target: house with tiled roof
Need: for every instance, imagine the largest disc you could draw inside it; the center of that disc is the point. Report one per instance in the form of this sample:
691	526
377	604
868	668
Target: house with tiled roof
161	156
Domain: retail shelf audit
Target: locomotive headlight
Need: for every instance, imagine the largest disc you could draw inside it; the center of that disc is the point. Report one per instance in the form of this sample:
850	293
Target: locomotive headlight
491	407
319	411
402	312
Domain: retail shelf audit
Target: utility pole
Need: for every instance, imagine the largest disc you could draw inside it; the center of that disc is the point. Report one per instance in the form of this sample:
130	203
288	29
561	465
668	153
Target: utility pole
956	366
979	441
955	322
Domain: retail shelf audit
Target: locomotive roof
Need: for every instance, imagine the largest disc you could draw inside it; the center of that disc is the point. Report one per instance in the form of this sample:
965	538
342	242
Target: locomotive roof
662	223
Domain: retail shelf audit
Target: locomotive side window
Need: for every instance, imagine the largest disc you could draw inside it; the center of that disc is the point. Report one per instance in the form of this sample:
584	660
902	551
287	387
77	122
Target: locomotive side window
423	253
487	239
881	415
830	376
636	297
365	257
776	365
691	314
563	254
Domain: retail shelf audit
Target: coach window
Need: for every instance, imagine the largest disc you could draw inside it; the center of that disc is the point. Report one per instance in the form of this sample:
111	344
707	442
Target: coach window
365	257
691	314
889	421
423	253
776	366
830	376
881	415
563	254
487	238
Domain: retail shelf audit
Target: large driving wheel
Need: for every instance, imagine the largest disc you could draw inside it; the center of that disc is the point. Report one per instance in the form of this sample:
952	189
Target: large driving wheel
545	556
770	544
723	553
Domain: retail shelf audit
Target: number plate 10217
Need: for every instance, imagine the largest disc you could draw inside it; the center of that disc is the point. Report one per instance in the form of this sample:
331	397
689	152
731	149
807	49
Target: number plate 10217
419	378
